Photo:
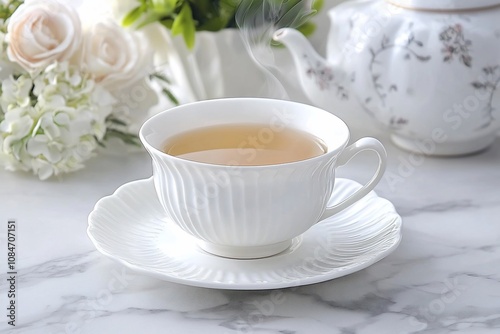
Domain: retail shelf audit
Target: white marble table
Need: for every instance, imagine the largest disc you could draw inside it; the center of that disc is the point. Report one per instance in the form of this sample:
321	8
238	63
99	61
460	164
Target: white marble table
443	278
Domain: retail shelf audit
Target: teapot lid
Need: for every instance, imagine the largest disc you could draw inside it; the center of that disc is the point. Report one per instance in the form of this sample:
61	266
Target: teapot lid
445	5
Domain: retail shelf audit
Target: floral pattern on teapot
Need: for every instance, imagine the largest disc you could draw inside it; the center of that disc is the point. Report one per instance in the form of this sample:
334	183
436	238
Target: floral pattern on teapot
417	72
409	45
489	84
455	44
324	77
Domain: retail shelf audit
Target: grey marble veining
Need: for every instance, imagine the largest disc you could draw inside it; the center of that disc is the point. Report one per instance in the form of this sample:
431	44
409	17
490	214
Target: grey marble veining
443	278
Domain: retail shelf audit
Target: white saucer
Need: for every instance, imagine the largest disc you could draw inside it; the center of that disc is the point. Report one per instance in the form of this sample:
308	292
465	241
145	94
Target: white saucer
131	227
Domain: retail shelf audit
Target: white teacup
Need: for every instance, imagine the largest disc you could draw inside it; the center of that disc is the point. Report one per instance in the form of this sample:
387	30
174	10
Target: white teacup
252	211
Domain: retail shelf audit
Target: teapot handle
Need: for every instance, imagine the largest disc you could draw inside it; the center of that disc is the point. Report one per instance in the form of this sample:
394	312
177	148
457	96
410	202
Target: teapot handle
364	144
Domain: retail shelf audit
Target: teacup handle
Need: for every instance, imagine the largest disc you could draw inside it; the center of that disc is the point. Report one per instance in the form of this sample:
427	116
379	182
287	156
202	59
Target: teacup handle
370	144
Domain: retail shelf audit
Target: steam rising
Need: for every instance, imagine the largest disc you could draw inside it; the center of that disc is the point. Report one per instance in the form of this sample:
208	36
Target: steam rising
258	20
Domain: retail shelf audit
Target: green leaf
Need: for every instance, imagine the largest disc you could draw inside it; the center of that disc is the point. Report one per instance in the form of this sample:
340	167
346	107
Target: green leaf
294	15
133	15
214	24
164	7
185	17
164	83
150	18
307	28
100	143
228	11
167	23
317	5
170	96
116	121
160	76
203	6
7	8
221	17
127	138
184	24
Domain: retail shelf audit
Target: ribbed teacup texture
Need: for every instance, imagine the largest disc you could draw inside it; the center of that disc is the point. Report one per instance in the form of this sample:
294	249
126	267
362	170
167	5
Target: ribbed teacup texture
243	206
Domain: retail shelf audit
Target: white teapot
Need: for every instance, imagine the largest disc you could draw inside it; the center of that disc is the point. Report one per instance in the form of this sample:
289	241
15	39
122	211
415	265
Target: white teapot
429	70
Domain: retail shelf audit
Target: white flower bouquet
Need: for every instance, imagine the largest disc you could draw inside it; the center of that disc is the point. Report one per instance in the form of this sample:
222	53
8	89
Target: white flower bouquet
62	86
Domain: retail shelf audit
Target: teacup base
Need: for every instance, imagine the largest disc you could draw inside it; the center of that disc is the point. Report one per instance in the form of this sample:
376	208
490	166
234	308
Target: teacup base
245	252
429	147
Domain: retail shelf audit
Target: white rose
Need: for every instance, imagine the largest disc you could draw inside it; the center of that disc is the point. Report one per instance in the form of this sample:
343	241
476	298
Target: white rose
115	57
41	32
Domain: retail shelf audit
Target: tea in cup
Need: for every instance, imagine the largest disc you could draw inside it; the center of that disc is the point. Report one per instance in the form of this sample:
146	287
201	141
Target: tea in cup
247	175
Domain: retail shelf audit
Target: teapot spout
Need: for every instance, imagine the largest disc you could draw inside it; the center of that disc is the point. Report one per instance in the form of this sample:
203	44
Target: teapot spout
319	79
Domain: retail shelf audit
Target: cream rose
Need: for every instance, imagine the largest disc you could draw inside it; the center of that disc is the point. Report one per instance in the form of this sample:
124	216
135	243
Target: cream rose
41	32
117	58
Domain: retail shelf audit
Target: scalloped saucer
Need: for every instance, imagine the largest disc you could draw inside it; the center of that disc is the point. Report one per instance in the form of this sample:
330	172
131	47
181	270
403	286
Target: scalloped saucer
131	227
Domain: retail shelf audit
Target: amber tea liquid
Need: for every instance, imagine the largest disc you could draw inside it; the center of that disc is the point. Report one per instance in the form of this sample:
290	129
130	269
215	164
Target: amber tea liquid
244	145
